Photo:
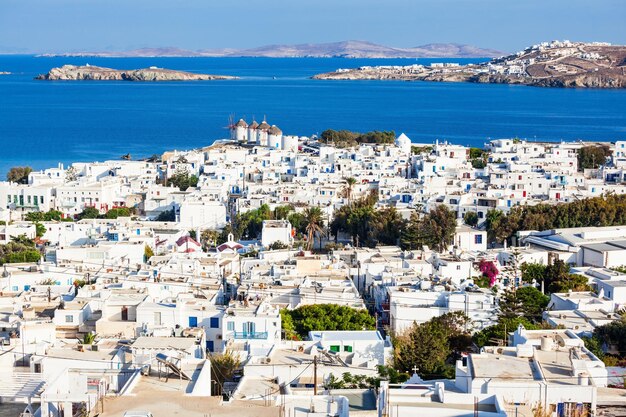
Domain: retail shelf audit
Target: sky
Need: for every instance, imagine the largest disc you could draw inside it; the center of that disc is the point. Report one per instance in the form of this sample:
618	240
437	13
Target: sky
39	26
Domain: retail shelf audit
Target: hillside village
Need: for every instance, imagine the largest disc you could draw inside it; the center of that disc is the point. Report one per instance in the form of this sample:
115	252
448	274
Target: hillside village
548	64
270	274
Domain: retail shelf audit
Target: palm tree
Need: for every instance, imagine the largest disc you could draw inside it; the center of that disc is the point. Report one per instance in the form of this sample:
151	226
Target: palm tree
314	224
349	186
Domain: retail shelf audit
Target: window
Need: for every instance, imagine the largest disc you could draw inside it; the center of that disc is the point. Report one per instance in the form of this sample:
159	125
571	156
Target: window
69	318
458	267
478	239
347	348
334	348
230	326
215	322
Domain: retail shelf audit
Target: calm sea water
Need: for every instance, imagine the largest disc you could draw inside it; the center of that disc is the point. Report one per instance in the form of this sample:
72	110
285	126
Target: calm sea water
43	123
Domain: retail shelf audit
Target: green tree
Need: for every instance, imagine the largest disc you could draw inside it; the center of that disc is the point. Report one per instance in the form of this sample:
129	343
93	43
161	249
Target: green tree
347	139
19	174
350	182
594	345
476	153
613	335
339	138
23	240
34	216
438	227
114	213
282	212
209	238
559	279
416	150
498	334
223	368
479	163
314	224
592	156
40	229
183	180
147	253
40	216
298	222
355	220
166	216
89	213
526	302
277	245
470	218
386	227
493	222
250	224
20	249
53	215
432	346
411	237
89	338
378	137
533	272
392	375
299	322
607	210
223	235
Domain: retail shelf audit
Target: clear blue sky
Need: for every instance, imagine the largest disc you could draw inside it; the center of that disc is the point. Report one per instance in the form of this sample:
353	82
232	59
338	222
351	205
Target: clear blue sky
507	25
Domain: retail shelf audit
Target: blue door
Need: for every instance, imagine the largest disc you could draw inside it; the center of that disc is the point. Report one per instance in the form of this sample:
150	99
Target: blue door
193	322
209	345
249	329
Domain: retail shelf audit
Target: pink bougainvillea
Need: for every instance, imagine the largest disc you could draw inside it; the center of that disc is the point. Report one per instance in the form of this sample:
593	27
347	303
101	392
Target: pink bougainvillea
489	269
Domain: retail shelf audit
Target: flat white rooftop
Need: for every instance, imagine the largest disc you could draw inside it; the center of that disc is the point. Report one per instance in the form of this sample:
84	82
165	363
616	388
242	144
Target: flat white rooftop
344	335
181	343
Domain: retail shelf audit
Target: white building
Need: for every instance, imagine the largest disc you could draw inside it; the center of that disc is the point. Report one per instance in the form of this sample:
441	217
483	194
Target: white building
276	231
367	346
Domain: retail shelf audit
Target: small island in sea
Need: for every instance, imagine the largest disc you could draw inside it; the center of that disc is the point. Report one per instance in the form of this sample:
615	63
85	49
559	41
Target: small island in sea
90	72
549	64
5	73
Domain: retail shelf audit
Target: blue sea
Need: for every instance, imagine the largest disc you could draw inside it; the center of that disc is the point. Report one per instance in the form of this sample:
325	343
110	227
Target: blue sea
43	122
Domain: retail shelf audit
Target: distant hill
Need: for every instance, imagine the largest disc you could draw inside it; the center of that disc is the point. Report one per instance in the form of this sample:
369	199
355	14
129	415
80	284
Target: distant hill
345	49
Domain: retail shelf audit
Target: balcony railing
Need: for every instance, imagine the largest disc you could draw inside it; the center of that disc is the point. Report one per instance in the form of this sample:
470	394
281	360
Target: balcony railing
250	335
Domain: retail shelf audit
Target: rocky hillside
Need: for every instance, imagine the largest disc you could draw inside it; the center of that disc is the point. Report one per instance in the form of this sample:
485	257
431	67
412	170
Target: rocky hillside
555	64
345	49
88	72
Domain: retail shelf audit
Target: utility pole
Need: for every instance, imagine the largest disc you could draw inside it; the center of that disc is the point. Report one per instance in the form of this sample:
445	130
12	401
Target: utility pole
315	375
